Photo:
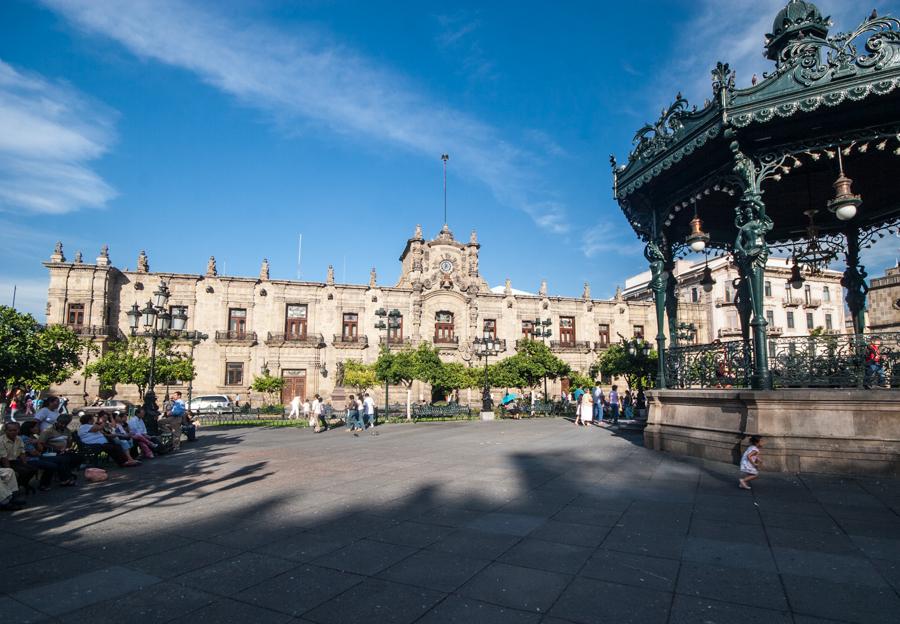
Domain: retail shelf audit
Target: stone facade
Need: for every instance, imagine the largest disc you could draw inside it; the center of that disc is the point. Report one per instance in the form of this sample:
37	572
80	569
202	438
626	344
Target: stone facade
819	304
883	314
302	330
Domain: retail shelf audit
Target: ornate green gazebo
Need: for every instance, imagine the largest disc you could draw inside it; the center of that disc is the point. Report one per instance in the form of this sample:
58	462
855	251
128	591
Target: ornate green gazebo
805	161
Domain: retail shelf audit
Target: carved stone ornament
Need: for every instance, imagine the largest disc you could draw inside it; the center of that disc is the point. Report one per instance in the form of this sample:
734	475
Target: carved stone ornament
264	269
329	277
78	257
418	234
507	289
586	293
143	264
473	238
372	278
542	291
58	255
211	267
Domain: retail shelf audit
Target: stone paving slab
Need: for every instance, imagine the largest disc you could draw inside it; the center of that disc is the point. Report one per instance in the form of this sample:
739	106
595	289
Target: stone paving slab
469	522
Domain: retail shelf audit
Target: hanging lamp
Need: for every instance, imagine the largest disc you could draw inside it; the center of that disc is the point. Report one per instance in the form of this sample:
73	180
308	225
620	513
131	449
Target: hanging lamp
697	239
845	203
796	280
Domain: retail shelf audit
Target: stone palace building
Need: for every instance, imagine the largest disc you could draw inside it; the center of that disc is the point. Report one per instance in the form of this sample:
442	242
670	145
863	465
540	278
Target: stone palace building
301	330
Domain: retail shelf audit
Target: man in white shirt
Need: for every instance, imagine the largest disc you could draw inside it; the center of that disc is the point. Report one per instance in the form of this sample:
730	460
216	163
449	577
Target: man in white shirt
295	408
316	415
597	395
369	411
48	414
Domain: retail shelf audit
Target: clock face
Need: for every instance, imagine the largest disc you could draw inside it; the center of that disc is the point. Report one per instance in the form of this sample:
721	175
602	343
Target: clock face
446	266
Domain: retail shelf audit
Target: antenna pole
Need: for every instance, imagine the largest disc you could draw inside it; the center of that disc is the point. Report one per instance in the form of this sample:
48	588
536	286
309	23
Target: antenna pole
445	158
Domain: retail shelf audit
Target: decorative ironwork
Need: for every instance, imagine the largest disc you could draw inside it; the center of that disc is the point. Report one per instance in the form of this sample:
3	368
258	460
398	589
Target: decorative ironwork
722	364
655	138
570	345
350	342
294	340
236	336
826	360
836	361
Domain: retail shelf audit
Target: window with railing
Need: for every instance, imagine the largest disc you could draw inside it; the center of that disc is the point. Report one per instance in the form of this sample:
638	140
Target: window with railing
528	329
604	335
237	322
490	329
444	330
567	329
295	321
234	373
350	327
75	315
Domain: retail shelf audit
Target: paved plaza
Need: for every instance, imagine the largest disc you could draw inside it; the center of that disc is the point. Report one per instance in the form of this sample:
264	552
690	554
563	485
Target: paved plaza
469	522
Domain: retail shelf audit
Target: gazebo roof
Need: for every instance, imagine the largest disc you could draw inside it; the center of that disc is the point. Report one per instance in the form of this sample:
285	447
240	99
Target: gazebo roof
825	94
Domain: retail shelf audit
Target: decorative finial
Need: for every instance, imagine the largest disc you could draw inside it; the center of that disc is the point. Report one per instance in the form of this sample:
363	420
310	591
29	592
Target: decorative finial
329	279
586	293
542	291
372	278
508	288
473	238
418	234
618	295
211	270
103	258
753	80
264	269
78	258
58	255
143	264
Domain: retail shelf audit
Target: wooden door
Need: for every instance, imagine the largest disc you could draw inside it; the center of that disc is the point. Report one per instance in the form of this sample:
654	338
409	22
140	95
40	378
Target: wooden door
294	385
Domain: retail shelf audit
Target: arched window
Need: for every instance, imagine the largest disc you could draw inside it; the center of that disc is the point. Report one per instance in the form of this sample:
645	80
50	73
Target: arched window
443	327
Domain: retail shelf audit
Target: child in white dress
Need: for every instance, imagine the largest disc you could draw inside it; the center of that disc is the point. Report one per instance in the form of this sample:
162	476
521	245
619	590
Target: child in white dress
750	462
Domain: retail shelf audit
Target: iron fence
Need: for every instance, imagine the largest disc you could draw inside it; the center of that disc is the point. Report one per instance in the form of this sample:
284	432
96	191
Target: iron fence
818	361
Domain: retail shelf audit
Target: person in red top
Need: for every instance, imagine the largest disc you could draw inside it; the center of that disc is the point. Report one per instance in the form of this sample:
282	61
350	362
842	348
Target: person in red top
874	364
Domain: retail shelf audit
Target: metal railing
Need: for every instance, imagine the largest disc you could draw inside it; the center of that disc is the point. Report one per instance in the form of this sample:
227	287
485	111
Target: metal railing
820	361
358	342
96	331
394	343
790	302
722	301
446	341
294	340
570	345
235	336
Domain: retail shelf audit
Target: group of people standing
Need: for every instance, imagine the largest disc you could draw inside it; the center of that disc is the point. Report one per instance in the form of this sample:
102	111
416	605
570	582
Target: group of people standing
593	406
313	412
360	412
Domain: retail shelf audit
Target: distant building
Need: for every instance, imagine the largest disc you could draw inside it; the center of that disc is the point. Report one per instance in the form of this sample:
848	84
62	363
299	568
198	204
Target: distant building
302	330
789	312
883	314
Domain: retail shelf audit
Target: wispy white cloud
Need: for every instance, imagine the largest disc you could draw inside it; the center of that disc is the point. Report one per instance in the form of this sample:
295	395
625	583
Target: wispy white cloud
304	76
458	35
30	294
607	238
49	134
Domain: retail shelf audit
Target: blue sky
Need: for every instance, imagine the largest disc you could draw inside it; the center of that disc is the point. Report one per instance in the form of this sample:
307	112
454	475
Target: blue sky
192	129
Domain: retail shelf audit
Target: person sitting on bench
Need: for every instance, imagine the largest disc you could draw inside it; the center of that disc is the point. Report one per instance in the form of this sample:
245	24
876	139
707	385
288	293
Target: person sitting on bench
94	438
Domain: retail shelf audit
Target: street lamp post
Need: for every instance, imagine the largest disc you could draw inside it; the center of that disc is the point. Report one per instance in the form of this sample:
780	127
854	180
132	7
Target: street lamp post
541	329
159	323
387	321
484	348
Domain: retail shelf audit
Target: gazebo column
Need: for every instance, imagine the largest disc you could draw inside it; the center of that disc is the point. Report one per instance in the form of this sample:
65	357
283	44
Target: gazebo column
671	301
854	280
751	253
656	258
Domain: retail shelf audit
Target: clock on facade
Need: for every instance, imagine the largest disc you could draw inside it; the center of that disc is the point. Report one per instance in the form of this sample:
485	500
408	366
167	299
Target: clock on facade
446	266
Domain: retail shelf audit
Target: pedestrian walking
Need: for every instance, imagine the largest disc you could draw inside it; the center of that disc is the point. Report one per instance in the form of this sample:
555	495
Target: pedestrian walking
316	421
295	408
750	462
584	413
354	421
369	411
597	396
614	405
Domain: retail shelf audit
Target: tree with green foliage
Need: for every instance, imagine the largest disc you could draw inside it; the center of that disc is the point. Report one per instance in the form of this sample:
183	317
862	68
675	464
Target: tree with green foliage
637	369
358	375
127	362
403	368
36	356
532	362
577	379
268	384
